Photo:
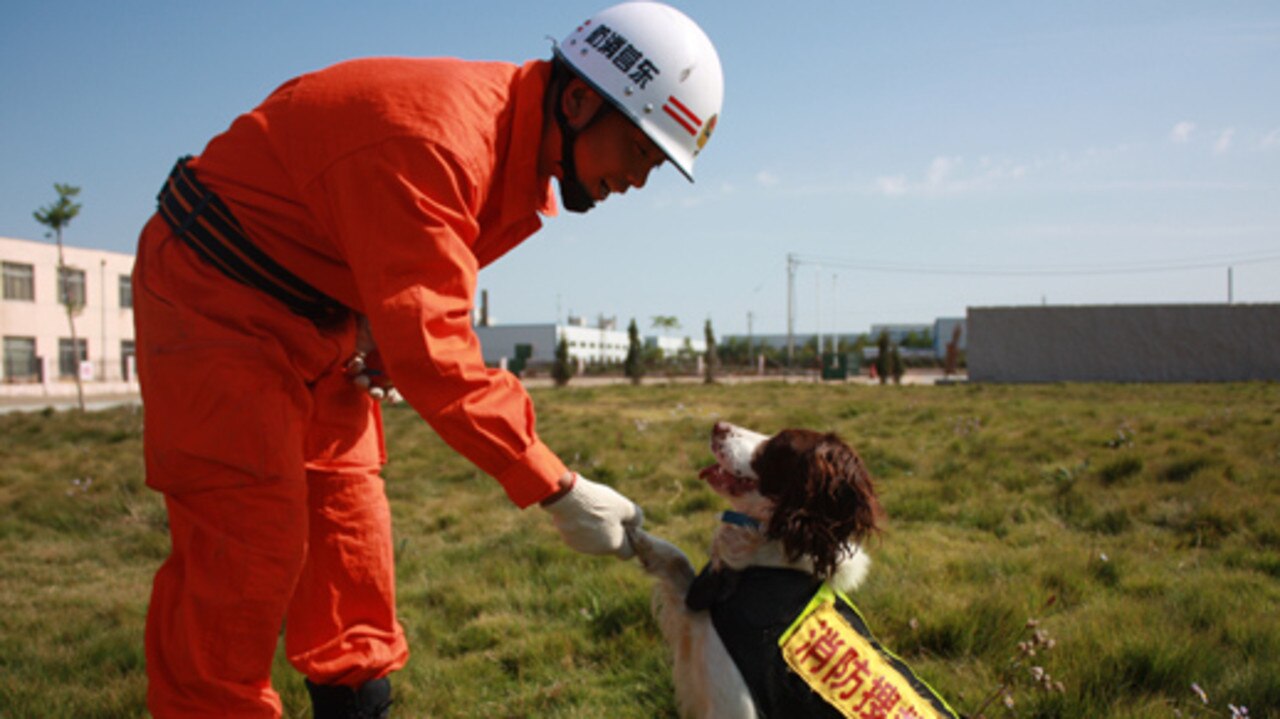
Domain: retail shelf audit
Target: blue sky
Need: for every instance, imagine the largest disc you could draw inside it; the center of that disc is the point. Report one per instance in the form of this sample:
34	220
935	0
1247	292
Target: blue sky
920	157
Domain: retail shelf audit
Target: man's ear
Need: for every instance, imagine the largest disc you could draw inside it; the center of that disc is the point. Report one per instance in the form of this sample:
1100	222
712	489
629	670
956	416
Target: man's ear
580	103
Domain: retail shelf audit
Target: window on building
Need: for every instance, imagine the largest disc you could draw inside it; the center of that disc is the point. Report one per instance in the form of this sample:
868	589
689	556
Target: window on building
69	360
126	292
71	286
128	365
20	361
19	281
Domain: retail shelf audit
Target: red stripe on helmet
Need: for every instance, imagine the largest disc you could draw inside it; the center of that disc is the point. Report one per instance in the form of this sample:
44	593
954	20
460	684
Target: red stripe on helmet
688	113
683	122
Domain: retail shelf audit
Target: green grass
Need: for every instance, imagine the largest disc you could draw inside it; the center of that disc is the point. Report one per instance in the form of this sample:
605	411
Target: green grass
1150	513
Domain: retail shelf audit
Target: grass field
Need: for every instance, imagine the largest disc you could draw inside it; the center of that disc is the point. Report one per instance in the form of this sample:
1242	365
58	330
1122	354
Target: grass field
1151	514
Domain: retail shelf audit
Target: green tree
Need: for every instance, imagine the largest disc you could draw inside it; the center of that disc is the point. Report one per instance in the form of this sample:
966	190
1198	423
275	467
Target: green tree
562	370
56	216
919	340
712	362
634	364
897	366
953	353
884	362
666	322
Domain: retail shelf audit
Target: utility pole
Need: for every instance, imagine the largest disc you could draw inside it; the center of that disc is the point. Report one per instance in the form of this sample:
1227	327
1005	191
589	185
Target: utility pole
1231	290
835	313
817	311
792	261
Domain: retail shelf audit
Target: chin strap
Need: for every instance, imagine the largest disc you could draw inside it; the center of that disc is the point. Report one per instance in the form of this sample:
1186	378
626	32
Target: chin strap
573	195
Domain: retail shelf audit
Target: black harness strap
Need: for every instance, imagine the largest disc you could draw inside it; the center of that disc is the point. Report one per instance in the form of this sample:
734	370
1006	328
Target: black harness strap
201	220
751	609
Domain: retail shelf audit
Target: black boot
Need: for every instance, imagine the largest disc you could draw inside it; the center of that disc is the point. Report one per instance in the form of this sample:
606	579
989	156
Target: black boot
371	700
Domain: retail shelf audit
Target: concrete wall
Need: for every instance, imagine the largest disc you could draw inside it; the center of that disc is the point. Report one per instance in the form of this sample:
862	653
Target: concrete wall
1140	343
499	341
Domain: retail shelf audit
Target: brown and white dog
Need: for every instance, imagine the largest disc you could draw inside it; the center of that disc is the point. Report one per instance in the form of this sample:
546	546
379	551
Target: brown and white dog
802	503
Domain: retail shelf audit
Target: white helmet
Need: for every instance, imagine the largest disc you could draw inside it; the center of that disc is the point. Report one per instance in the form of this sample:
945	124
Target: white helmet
658	67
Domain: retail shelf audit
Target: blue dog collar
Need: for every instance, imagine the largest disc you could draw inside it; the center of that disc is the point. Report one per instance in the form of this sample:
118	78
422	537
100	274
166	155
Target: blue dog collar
731	517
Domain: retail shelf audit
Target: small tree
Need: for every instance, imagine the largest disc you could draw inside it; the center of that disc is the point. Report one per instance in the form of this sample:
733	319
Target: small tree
897	366
712	356
884	363
953	353
57	216
634	364
666	322
562	370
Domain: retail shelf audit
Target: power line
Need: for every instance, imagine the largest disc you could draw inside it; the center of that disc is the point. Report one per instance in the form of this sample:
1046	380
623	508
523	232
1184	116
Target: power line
795	260
1208	262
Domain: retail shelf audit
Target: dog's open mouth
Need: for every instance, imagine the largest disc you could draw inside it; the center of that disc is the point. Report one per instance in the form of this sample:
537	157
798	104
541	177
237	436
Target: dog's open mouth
727	482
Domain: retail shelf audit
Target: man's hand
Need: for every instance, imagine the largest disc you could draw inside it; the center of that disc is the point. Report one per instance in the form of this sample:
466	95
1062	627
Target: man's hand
593	518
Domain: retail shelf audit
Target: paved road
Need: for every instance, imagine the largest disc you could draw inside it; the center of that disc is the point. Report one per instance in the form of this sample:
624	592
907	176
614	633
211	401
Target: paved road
60	402
95	402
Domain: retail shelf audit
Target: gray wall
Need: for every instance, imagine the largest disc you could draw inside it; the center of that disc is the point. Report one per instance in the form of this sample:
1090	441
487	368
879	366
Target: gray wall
1138	343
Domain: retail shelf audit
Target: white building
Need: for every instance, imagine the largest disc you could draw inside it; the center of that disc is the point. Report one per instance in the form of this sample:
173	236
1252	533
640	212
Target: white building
673	346
39	356
600	344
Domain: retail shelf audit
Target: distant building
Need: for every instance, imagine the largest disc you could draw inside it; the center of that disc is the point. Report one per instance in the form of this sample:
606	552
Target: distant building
1133	343
898	333
944	328
38	349
940	333
603	343
779	342
673	346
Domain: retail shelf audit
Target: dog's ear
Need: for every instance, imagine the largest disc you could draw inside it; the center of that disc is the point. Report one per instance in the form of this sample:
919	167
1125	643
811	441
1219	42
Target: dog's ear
824	496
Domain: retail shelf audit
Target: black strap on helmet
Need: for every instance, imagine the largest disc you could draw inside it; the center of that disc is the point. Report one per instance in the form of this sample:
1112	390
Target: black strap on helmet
573	195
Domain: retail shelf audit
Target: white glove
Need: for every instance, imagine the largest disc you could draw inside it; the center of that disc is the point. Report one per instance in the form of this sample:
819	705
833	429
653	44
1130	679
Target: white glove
593	519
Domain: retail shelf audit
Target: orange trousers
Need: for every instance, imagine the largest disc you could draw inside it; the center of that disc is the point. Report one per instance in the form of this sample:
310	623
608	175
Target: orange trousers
269	462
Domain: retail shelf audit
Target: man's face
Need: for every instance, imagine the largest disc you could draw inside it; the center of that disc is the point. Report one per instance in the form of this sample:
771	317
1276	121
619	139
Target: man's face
613	155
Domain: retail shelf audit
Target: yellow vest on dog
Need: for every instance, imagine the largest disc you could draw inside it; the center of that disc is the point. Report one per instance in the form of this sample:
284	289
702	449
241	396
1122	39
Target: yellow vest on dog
830	647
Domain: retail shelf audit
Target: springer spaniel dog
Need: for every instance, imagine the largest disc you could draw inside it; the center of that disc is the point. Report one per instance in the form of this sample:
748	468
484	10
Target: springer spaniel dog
802	503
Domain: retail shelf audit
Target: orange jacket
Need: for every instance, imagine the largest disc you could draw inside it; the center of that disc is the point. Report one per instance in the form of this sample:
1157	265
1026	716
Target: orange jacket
387	184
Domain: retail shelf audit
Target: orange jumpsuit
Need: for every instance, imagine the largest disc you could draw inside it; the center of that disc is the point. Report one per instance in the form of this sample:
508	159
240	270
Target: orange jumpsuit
386	184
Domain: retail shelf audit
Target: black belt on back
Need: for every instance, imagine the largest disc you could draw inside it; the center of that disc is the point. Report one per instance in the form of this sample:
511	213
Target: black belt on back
201	220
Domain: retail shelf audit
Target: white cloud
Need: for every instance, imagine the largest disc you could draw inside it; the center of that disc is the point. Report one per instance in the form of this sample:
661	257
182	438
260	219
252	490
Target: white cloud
946	174
892	186
1181	132
1271	140
766	178
1223	143
940	170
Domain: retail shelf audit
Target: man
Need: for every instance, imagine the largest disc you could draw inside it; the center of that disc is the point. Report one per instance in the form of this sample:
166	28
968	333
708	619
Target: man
374	188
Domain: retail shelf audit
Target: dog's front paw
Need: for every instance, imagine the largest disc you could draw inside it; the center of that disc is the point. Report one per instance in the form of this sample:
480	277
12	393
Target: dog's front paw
650	550
658	556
